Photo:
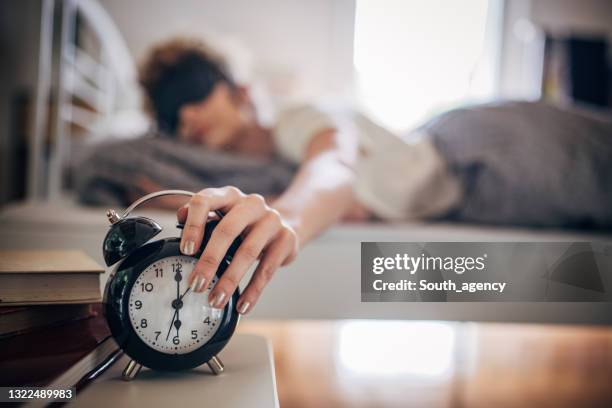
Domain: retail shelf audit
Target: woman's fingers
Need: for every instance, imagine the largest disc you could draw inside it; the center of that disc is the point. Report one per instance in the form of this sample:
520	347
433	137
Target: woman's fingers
278	253
181	213
247	254
199	206
247	211
193	230
263	231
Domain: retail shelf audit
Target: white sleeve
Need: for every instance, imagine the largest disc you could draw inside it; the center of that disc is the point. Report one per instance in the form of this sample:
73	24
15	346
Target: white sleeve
295	128
406	181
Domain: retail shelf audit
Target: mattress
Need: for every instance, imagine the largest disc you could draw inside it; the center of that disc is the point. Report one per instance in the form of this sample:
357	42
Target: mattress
324	281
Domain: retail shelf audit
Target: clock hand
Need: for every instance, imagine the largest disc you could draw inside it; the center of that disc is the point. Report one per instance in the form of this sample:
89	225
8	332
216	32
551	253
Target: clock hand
171	324
178	278
176	315
177	322
175	304
184	293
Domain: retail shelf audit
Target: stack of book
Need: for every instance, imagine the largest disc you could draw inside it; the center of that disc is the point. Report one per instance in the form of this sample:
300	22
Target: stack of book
52	332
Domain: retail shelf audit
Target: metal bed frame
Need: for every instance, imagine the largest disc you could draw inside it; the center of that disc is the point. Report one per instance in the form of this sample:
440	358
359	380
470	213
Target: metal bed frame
93	79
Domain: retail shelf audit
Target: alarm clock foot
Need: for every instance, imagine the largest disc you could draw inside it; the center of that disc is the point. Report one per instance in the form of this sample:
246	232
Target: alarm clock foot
216	365
131	370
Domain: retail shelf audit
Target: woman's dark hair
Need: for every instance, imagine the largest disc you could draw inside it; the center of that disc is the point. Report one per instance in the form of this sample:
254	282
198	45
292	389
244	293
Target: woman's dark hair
178	72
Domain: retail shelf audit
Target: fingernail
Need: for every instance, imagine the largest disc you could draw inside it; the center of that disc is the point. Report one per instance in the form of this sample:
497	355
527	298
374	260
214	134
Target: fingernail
202	282
217	300
194	283
188	248
244	307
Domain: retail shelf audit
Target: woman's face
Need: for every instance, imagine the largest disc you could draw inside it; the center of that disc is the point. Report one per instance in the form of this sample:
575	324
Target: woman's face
216	122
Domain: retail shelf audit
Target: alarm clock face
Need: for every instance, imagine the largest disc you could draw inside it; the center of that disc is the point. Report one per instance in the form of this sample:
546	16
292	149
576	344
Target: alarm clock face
155	318
165	314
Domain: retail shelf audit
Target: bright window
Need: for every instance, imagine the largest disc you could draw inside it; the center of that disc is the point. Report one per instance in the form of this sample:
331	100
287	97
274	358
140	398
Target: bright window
416	58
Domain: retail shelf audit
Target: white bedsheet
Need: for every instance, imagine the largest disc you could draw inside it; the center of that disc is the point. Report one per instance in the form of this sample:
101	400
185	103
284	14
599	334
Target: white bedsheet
324	281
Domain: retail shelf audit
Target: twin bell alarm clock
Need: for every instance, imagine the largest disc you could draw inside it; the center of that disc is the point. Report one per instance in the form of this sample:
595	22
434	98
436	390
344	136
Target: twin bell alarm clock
152	313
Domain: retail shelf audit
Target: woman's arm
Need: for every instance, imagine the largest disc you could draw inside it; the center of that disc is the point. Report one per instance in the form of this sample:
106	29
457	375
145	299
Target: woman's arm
321	192
317	197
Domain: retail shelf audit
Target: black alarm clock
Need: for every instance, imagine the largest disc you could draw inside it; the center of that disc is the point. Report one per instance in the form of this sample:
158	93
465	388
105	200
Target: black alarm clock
152	313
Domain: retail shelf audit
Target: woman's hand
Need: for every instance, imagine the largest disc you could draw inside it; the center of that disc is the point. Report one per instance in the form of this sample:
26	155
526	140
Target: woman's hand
266	237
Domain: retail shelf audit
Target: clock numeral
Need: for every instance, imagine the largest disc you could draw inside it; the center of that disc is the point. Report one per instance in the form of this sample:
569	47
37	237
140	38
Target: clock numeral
146	287
157	333
207	320
143	323
176	340
194	334
138	304
159	273
177	267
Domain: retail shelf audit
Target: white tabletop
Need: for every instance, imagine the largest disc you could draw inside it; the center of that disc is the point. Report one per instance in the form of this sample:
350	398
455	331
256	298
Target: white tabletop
248	381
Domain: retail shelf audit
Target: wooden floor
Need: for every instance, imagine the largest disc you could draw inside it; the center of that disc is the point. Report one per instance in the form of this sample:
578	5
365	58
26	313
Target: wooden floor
438	364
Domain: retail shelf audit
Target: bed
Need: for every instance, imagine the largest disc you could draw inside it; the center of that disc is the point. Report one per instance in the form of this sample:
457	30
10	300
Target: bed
324	281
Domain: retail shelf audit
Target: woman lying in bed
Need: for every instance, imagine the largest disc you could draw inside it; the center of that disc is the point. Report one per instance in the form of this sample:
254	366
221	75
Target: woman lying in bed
526	164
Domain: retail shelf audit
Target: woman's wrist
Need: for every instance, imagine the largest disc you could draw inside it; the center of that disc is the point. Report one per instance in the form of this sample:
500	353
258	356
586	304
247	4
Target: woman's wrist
292	220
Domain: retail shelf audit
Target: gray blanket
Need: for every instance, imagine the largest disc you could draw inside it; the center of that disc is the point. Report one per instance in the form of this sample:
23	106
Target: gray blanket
521	163
529	164
110	173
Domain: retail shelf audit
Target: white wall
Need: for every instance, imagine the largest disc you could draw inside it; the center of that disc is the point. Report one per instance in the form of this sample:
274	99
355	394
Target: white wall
303	47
